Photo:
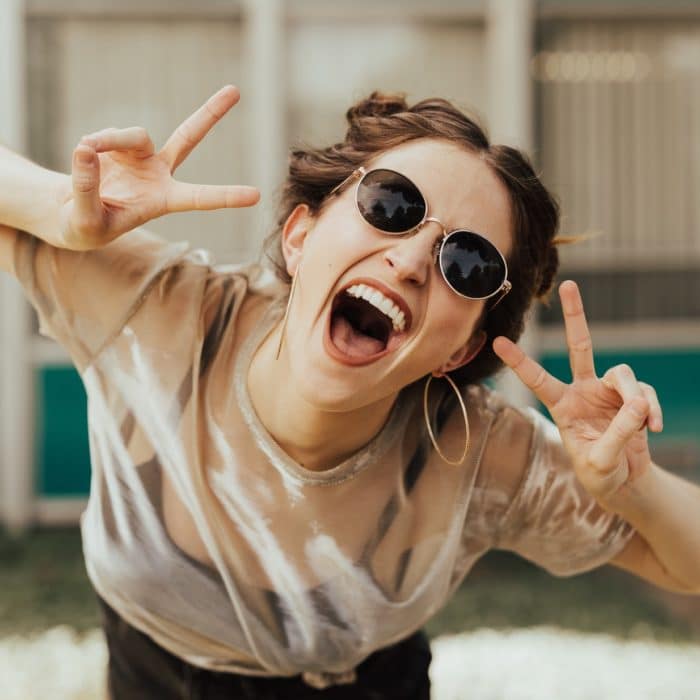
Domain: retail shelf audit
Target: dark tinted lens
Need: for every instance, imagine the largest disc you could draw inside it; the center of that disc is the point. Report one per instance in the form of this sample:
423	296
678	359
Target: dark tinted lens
472	266
389	201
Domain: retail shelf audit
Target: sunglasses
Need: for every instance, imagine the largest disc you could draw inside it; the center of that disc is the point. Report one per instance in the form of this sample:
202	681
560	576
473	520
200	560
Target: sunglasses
470	264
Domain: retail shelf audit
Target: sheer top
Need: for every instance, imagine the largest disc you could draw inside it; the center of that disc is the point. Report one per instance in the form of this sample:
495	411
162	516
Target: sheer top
201	532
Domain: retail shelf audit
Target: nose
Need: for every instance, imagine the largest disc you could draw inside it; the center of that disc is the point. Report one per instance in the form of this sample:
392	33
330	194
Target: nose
412	257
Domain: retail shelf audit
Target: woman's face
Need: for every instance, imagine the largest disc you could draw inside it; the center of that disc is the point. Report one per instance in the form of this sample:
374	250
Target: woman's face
337	368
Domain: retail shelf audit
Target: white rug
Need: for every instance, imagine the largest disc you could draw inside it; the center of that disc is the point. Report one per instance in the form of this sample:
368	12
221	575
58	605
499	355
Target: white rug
56	665
546	663
530	664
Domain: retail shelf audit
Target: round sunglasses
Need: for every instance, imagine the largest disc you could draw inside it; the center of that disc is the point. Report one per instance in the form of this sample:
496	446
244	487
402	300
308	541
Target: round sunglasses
470	264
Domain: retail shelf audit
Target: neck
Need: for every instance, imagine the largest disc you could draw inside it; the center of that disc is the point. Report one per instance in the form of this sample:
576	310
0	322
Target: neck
315	438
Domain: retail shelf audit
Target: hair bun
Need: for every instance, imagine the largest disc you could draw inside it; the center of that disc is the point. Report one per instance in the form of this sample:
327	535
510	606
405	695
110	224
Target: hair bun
378	104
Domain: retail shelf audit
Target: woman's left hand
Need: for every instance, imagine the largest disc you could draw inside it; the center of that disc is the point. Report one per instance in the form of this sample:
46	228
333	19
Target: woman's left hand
603	421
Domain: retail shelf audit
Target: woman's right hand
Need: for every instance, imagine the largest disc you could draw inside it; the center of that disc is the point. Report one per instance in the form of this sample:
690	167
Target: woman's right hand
120	182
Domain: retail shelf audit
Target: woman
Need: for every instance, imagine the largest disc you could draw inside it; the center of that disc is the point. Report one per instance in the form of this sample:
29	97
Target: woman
281	495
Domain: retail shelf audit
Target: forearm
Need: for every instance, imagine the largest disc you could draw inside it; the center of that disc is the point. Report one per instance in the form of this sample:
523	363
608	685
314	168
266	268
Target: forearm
665	510
31	196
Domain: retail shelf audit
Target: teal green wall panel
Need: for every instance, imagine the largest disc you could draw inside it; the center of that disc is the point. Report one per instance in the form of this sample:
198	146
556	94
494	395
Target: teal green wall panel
62	453
63	461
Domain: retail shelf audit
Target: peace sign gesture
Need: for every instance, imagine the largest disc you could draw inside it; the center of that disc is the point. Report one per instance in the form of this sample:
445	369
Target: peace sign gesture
119	181
603	421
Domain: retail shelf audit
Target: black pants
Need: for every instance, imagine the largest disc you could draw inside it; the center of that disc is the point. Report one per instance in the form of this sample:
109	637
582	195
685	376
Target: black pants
139	669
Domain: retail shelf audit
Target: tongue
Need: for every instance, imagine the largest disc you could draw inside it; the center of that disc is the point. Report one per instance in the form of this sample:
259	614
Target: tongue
351	341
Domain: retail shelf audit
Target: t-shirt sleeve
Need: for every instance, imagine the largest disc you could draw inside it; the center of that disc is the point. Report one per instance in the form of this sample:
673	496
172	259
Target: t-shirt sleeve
83	298
539	509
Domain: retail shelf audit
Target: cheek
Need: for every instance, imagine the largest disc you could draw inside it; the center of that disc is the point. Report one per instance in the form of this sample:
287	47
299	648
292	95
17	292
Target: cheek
337	245
454	322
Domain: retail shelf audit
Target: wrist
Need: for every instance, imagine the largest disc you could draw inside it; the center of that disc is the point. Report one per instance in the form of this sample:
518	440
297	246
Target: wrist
32	197
634	500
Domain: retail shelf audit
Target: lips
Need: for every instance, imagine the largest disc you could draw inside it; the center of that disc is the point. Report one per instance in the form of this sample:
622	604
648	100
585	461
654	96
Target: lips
360	332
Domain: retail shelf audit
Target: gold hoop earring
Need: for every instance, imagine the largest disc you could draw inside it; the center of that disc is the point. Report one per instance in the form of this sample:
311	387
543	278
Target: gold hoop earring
286	313
464	415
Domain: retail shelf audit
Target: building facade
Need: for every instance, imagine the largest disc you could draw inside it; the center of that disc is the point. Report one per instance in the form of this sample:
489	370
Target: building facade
604	95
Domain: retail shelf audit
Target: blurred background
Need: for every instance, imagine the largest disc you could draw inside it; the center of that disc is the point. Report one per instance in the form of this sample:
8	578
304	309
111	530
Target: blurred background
604	95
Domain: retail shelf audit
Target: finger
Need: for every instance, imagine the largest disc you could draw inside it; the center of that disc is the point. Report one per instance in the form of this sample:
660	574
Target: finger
86	188
134	138
578	337
622	379
656	416
196	127
546	388
628	420
186	197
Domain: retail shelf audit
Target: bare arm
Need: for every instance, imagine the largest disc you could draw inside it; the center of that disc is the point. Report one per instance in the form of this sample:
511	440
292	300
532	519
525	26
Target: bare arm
30	199
7	242
665	510
638	558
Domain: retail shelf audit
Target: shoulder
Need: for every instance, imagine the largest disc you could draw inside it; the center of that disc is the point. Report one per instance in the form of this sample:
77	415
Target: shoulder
194	300
500	430
258	278
515	438
501	433
505	420
238	292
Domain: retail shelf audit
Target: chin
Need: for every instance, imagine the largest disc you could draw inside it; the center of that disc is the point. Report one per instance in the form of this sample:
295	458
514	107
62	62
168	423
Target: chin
332	384
333	394
320	384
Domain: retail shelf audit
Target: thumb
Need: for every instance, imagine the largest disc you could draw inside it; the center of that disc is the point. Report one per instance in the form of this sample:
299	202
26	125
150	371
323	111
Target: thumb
86	189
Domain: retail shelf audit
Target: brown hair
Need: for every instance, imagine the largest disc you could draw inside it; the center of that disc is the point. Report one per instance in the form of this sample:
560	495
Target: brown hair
383	121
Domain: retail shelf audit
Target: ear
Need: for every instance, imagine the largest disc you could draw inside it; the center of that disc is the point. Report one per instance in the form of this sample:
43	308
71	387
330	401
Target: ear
463	355
294	232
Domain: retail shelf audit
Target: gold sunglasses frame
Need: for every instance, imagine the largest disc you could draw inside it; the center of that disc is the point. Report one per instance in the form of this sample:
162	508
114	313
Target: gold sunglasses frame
361	172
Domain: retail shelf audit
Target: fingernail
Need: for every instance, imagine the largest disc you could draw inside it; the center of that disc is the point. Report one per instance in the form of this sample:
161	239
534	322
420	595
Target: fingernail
85	157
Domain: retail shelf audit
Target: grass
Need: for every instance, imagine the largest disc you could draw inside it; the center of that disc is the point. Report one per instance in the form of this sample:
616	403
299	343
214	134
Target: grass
504	591
43	583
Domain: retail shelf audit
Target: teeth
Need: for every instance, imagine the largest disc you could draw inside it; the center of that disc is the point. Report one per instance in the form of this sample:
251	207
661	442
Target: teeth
379	301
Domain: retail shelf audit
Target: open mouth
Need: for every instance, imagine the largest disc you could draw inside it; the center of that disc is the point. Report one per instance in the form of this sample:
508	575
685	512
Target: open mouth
366	324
